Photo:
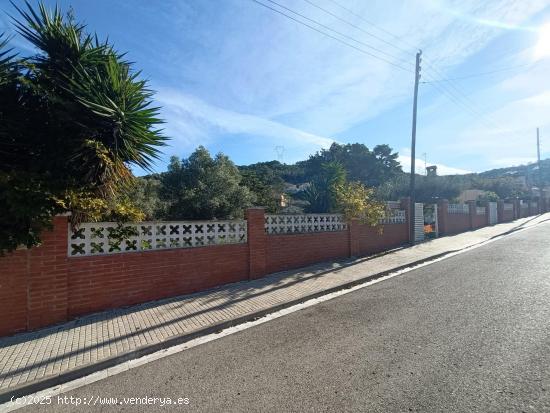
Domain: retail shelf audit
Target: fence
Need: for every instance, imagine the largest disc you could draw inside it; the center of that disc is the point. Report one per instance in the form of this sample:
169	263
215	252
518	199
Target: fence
112	238
288	224
104	265
458	209
480	210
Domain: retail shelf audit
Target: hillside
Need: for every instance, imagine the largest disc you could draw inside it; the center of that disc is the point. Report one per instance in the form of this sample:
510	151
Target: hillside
530	171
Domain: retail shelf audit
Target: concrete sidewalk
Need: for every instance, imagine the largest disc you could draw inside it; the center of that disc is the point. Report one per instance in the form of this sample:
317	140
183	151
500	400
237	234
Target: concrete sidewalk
33	361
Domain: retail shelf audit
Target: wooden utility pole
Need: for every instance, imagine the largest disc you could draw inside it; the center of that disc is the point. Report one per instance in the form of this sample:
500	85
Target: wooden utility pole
413	148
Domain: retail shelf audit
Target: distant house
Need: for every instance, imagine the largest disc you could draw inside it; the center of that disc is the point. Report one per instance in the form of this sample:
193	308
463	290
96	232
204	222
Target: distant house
431	170
470	195
293	188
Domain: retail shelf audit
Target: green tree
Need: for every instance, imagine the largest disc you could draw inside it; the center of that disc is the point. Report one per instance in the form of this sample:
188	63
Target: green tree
263	190
202	187
427	189
489	196
73	118
145	193
321	194
371	168
356	201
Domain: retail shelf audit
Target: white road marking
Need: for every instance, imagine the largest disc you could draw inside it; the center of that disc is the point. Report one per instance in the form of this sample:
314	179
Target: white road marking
131	364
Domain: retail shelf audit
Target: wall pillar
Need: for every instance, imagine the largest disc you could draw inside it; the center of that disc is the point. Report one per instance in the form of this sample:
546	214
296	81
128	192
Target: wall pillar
353	233
409	215
472	212
500	211
257	243
517	209
443	216
47	285
543	205
487	207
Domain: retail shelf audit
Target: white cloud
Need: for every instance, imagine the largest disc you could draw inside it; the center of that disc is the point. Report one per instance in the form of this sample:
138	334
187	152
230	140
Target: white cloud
516	139
405	161
190	118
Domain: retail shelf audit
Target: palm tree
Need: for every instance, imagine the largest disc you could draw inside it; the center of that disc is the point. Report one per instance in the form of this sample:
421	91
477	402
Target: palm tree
76	118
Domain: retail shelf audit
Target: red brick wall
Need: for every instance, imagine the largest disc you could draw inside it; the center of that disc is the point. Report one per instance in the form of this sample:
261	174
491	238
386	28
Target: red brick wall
479	221
34	283
102	282
42	286
508	215
13	292
297	250
370	241
457	223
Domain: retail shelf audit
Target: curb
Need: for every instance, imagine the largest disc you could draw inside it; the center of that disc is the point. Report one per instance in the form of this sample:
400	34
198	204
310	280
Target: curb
42	384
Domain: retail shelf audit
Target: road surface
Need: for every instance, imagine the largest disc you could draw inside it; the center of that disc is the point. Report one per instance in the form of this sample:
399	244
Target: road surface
469	333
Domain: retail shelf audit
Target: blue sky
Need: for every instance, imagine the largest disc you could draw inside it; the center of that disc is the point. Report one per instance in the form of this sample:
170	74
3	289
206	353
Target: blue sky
239	78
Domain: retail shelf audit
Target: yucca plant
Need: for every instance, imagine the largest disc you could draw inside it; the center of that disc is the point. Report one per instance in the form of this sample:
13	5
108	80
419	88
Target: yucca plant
74	117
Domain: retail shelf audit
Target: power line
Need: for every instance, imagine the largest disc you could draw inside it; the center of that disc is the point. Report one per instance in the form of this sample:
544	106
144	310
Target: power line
459	102
483	73
337	32
331	36
452	94
470	104
377	27
358	27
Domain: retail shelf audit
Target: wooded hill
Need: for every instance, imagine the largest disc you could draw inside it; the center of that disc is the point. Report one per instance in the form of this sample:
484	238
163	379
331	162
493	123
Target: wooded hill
205	187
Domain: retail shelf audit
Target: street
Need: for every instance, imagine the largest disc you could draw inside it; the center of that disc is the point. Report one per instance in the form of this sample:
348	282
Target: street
469	333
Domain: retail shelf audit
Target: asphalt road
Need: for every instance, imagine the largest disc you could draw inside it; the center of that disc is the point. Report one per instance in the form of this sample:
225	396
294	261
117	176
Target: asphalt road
470	333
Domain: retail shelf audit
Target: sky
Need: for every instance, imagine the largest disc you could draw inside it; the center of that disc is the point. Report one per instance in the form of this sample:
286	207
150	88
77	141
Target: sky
245	80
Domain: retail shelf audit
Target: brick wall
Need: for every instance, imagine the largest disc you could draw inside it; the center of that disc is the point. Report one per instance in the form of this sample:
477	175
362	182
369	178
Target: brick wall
457	223
43	286
33	283
297	250
13	292
507	216
102	282
371	241
479	221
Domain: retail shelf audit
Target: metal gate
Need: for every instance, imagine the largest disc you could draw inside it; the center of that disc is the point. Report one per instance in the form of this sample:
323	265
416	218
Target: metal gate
418	222
493	215
431	227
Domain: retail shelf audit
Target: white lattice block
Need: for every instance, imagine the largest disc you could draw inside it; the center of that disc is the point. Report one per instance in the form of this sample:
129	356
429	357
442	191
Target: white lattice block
508	207
289	224
393	204
458	209
394	216
480	211
112	238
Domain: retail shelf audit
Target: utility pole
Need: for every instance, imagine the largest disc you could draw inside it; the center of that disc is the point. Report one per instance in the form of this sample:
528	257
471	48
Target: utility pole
413	148
538	164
